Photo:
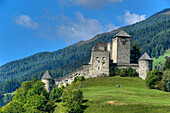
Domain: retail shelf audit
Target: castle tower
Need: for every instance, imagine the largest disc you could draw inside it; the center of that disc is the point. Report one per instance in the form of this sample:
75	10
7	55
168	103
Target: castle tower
145	65
48	80
121	48
100	60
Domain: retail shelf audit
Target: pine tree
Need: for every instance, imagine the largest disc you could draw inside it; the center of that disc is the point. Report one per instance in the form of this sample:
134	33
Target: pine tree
135	52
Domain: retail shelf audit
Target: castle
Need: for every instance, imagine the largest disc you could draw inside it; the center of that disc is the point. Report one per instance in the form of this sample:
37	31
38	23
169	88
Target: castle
103	55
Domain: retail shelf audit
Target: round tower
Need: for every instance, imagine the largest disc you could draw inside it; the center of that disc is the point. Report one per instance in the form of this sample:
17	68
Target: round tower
48	81
145	65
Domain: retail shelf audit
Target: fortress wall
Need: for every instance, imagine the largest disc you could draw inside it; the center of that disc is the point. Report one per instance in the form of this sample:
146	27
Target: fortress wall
134	66
100	63
85	71
123	52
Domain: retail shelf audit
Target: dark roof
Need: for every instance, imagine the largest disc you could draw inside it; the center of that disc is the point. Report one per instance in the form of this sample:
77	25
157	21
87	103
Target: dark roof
46	76
145	56
122	33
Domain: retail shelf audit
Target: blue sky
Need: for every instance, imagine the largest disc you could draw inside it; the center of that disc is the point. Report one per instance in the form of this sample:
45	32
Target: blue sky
31	26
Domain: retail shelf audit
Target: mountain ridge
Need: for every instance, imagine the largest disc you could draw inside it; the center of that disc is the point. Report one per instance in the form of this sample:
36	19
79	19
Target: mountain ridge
144	32
164	11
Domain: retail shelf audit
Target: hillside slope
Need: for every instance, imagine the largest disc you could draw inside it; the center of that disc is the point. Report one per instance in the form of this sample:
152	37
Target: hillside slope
102	96
152	35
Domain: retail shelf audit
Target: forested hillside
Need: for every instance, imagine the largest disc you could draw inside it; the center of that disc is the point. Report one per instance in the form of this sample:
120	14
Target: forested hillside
152	35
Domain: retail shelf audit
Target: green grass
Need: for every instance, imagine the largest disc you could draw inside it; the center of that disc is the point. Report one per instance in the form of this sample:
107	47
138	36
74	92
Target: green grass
161	58
132	96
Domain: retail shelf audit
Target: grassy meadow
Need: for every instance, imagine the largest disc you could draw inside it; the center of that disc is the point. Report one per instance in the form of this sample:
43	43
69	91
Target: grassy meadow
102	96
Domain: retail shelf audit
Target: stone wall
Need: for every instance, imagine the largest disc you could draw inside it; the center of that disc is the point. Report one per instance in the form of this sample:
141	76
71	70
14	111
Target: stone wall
123	51
85	71
144	67
100	63
134	66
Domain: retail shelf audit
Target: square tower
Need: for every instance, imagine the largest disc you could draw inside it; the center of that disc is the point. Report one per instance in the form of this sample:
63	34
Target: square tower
121	48
100	60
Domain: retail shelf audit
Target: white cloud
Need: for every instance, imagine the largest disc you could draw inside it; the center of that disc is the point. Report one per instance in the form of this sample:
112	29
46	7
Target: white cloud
131	18
26	21
94	3
80	28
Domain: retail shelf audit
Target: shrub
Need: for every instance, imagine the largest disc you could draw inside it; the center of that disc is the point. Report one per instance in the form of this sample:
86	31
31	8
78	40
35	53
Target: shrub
130	71
166	79
159	85
167	64
56	93
75	80
80	78
111	71
67	84
117	71
134	73
123	72
152	79
72	100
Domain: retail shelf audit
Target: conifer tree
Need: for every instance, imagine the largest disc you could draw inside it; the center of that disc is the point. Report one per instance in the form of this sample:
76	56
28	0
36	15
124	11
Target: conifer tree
135	52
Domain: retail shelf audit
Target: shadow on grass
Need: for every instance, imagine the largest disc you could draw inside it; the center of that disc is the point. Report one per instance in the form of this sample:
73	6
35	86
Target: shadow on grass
84	101
84	106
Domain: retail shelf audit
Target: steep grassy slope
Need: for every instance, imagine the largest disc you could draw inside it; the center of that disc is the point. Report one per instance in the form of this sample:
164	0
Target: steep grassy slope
102	96
151	33
161	59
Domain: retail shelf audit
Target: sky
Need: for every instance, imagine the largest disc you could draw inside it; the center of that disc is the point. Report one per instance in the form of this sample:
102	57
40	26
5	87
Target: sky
28	27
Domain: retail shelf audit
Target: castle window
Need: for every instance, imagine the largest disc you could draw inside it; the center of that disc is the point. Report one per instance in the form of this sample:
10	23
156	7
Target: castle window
87	70
123	41
103	63
98	61
98	67
97	58
104	58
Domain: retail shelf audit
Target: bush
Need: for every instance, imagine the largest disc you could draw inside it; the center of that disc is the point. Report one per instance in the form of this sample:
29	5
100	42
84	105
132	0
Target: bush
134	73
72	100
67	84
125	72
75	80
153	78
80	78
56	93
117	71
159	85
167	64
166	79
